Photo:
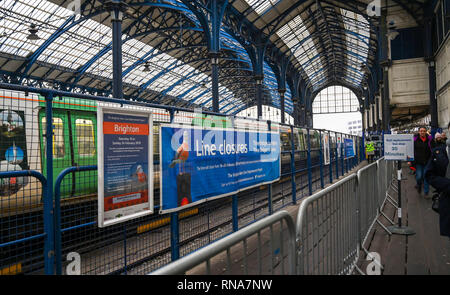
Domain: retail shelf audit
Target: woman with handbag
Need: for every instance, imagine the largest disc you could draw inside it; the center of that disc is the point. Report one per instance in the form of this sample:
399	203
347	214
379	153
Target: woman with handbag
438	175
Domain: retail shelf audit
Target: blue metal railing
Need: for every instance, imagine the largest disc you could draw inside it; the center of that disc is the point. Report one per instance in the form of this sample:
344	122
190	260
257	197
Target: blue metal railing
48	219
57	212
52	211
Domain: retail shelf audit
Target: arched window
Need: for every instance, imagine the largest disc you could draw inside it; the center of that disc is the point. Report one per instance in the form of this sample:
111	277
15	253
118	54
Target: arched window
335	99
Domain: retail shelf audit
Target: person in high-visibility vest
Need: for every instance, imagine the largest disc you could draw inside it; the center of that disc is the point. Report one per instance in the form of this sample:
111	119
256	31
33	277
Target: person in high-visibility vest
370	151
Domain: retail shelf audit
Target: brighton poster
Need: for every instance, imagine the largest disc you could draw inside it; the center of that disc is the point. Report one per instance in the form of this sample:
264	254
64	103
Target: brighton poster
125	165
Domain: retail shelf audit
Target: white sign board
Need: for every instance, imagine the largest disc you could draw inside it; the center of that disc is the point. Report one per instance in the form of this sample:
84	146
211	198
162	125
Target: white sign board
326	149
338	144
399	147
125	164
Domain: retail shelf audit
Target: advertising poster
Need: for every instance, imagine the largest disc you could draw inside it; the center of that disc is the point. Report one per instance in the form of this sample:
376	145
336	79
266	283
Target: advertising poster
125	165
13	150
326	149
348	147
339	146
202	164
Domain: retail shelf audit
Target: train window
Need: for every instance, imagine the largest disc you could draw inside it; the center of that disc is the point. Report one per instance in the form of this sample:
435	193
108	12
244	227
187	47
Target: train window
84	132
314	138
301	140
58	137
296	140
285	141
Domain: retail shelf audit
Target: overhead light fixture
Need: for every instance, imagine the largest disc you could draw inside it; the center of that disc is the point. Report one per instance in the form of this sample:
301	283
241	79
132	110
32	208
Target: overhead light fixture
146	67
33	33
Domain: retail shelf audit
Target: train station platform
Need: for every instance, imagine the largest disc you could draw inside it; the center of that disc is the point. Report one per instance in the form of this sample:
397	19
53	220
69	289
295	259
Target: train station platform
266	254
251	261
425	252
325	239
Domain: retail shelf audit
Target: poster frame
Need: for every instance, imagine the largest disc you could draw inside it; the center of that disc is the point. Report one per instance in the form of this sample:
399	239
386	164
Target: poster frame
101	110
326	148
177	125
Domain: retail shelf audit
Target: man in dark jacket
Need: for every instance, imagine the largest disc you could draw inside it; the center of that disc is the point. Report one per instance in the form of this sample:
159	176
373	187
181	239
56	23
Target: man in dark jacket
422	153
438	175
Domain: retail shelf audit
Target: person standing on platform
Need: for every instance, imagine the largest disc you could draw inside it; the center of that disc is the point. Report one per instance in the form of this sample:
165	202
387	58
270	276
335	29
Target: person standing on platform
422	153
438	175
439	139
370	150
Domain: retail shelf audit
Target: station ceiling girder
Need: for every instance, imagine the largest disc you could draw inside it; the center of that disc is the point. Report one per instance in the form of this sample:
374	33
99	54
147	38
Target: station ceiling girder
174	37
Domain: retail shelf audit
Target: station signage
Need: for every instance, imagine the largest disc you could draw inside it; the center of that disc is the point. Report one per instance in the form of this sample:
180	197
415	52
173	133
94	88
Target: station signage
339	146
200	164
125	164
326	149
349	147
399	147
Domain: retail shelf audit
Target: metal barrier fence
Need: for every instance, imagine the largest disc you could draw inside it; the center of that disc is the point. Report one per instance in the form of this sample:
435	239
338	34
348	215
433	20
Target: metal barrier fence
54	134
327	230
332	226
250	247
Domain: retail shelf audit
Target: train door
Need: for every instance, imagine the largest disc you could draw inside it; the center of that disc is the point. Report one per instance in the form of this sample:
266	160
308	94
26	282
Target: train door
84	141
61	147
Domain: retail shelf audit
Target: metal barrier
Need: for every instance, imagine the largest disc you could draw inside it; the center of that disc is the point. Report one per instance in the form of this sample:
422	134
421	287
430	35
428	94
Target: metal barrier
281	242
368	198
326	230
332	227
15	240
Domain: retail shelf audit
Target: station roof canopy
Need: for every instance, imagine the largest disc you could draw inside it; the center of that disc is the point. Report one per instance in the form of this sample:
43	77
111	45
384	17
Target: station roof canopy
166	56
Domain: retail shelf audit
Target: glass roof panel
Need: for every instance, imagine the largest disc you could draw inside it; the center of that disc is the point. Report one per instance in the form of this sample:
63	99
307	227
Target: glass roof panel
262	6
16	19
79	47
357	34
296	36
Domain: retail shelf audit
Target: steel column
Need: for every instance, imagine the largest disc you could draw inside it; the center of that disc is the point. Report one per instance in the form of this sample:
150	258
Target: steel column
282	92
215	82
235	213
49	244
385	63
259	80
433	99
116	22
293	182
321	160
309	162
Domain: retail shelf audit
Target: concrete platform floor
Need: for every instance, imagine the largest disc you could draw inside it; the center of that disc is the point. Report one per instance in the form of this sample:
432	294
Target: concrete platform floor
425	252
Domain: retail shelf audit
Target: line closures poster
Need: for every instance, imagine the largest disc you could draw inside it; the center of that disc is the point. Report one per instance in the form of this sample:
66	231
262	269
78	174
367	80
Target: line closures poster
125	164
202	164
